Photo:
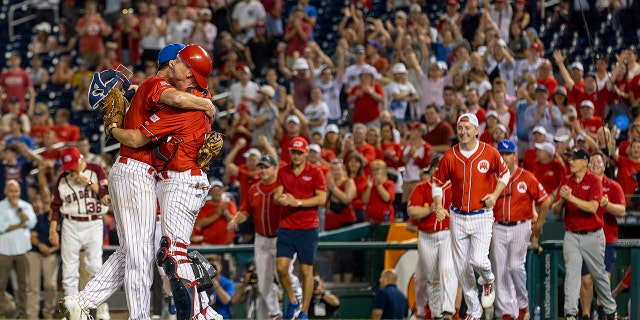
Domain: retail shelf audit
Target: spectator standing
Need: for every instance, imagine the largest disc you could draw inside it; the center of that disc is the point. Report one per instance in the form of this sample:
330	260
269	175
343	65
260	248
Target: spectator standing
341	192
416	155
501	14
543	113
629	166
179	29
246	15
273	19
204	32
300	78
16	82
352	72
389	302
260	51
16	219
379	194
246	173
584	241
317	112
331	87
355	170
127	35
310	13
403	94
92	29
300	189
66	132
245	90
214	217
366	98
152	35
439	134
264	123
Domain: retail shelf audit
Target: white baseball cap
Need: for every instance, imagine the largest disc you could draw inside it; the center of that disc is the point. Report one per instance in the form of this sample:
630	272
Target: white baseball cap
292	118
268	90
332	128
588	104
252	151
539	129
578	65
300	64
469	117
216	183
501	127
491	113
315	147
546	146
399	68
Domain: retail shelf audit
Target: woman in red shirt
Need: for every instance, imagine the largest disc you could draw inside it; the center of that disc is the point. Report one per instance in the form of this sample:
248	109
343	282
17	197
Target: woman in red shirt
628	168
373	138
341	192
379	194
355	171
366	98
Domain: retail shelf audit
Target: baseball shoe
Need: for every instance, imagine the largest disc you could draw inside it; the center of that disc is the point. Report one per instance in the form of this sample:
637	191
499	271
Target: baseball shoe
71	309
275	317
102	313
171	305
470	317
612	316
293	309
488	295
585	317
447	316
302	316
523	314
570	317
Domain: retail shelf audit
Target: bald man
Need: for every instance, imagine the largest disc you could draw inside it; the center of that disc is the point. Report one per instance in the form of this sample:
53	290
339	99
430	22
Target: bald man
389	302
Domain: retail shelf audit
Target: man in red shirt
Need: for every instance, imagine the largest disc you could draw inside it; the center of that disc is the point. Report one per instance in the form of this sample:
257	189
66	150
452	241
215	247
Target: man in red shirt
580	195
590	122
434	247
266	216
297	33
546	78
439	134
366	98
212	221
611	206
66	132
478	176
16	82
300	189
91	29
247	173
512	232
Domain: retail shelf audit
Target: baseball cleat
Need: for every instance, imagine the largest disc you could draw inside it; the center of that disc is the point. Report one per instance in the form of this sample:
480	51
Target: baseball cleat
102	313
302	316
71	309
293	309
488	295
470	317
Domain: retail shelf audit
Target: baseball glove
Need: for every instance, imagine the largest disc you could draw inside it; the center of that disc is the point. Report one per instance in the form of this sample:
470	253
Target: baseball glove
114	107
210	148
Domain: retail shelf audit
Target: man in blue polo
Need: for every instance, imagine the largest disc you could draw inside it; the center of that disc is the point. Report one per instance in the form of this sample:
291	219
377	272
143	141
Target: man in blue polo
389	302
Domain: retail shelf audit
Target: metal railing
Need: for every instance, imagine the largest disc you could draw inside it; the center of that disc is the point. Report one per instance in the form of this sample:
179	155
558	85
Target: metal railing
13	22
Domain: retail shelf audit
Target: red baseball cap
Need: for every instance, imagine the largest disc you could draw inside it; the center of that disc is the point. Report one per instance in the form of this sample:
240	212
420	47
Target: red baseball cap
70	158
452	2
299	144
242	107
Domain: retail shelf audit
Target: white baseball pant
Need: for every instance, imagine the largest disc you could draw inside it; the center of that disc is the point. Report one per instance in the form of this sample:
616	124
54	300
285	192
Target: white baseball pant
78	235
471	239
420	289
181	196
434	251
133	198
265	257
508	256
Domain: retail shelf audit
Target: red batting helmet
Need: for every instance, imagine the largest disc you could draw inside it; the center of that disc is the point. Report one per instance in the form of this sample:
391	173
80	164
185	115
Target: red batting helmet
199	61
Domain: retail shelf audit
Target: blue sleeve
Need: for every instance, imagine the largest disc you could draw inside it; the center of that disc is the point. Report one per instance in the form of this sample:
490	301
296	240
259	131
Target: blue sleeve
380	300
228	287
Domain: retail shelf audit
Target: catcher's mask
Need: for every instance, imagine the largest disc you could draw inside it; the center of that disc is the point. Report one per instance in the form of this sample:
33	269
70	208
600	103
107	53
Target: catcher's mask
102	83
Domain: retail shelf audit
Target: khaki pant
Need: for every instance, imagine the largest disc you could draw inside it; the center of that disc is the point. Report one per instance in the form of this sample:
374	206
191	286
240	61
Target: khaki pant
21	265
407	188
42	269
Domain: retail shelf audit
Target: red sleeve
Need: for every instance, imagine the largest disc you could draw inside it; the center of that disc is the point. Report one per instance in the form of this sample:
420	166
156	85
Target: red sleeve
56	202
537	191
626	281
512	121
500	165
595	192
354	90
75	133
390	186
379	89
617	196
279	182
419	196
319	181
441	175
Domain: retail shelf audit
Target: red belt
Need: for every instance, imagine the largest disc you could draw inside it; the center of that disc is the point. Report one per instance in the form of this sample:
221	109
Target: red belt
194	173
82	218
124	160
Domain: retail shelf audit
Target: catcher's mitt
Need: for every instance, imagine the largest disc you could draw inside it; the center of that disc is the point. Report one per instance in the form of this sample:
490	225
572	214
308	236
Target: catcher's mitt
210	148
114	107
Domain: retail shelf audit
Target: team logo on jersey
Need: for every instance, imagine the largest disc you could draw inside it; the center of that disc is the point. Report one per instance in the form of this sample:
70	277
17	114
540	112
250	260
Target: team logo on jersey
549	173
586	187
306	178
522	187
483	166
154	117
606	189
298	144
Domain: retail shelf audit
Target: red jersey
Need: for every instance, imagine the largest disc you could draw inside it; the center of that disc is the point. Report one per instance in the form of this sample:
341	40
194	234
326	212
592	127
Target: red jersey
328	154
589	189
365	108
265	212
614	192
68	133
471	178
15	84
549	174
246	180
302	186
514	204
335	220
144	103
54	154
421	196
599	99
397	151
377	207
592	125
361	186
38	132
529	159
626	168
216	232
91	40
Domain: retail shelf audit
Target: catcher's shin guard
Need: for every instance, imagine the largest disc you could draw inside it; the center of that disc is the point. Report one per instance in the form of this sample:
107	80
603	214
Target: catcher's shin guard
185	293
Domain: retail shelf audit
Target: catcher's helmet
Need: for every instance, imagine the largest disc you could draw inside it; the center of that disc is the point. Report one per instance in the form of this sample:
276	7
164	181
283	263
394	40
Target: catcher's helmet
101	84
199	61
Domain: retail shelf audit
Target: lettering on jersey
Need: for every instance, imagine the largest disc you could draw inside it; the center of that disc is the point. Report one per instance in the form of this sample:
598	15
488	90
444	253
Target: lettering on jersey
306	178
586	187
154	117
522	187
549	173
606	189
164	83
483	166
79	195
255	194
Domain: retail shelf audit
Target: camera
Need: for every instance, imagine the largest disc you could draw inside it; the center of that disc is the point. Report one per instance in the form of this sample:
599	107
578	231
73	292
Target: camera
315	284
253	279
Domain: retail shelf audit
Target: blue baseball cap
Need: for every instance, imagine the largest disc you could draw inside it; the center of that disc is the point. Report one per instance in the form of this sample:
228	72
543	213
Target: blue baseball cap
170	52
506	146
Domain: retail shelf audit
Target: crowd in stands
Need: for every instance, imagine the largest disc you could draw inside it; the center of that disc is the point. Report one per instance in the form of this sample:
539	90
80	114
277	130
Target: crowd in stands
375	87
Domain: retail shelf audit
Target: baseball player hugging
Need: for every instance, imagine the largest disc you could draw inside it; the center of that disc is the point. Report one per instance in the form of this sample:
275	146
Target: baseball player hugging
80	197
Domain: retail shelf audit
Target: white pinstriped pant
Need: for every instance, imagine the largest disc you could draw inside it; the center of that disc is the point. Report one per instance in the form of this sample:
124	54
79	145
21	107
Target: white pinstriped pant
181	196
434	250
133	197
471	239
508	256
